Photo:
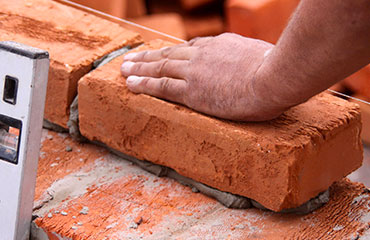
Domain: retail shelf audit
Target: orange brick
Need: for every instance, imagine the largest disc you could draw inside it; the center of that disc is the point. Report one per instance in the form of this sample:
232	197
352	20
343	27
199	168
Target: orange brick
281	164
261	19
169	23
359	82
73	38
105	197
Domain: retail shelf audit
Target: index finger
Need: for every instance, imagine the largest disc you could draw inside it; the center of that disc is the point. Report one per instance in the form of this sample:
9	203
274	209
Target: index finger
173	53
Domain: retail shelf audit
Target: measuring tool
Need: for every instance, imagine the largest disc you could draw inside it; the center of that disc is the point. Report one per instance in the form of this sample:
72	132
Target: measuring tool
23	80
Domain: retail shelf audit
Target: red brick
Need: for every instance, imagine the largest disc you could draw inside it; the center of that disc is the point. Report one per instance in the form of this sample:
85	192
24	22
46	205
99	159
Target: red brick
119	194
169	23
359	82
262	19
281	163
73	38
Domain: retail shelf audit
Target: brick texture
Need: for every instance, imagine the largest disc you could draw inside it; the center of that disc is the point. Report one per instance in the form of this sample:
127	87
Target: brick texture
281	163
121	201
73	38
262	19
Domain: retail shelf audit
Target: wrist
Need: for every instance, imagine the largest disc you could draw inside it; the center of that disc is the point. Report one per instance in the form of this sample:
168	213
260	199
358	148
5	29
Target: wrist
268	91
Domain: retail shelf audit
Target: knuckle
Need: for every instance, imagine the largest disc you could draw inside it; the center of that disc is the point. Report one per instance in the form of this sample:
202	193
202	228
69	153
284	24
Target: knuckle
194	40
161	70
164	85
143	55
144	81
136	68
165	52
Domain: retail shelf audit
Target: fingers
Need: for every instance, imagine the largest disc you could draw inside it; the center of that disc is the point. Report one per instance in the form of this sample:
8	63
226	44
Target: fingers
167	88
163	68
176	53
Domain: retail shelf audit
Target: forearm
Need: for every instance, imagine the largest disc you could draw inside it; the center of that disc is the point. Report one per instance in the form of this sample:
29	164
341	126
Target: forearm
324	42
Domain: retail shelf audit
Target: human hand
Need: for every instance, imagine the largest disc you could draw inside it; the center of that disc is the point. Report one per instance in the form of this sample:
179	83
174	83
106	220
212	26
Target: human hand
213	75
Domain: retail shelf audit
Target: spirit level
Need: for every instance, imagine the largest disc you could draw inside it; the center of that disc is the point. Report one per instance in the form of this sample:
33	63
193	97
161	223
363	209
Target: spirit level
23	80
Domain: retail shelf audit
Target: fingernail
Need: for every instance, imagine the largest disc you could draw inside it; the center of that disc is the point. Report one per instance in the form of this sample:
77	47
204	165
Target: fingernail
133	80
126	67
129	56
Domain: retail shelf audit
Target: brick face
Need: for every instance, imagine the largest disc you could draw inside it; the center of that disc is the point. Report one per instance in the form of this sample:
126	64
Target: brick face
73	38
281	163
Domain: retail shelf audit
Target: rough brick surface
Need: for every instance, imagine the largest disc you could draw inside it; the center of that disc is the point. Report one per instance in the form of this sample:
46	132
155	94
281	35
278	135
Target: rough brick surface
281	163
359	82
262	19
95	195
73	38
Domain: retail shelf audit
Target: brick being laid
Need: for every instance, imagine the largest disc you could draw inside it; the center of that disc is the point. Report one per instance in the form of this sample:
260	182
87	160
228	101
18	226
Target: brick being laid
280	164
74	39
261	19
88	193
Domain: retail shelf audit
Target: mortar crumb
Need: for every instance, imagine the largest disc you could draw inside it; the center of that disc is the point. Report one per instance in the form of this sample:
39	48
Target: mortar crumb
68	149
133	225
79	223
84	210
50	215
64	213
74	227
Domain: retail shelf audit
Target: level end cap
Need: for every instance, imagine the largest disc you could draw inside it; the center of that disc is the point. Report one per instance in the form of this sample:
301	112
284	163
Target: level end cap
23	50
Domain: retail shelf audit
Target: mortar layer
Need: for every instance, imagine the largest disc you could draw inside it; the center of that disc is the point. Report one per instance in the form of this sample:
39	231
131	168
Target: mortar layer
73	38
280	163
96	195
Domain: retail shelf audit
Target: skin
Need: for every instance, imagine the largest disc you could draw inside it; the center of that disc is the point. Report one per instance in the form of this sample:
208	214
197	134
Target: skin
244	79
